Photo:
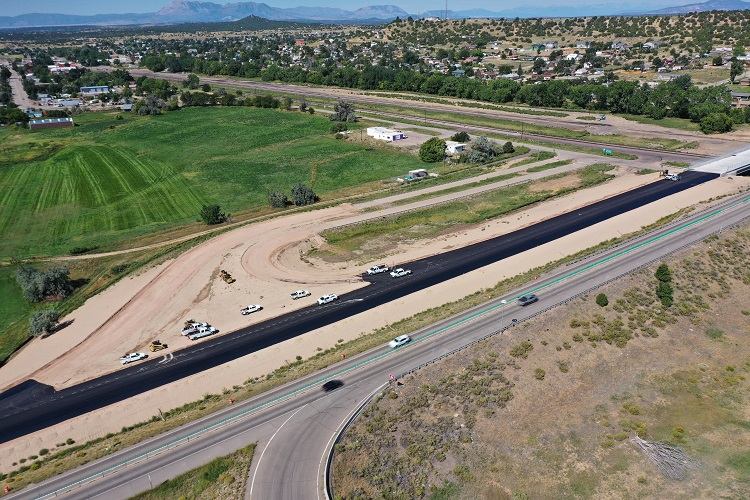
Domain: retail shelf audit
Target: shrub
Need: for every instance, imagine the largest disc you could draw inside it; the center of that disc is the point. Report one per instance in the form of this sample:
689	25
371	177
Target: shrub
602	300
461	137
663	273
212	214
120	268
665	291
522	350
463	473
508	148
338	127
70	441
277	199
42	322
714	333
43	451
303	195
81	250
539	374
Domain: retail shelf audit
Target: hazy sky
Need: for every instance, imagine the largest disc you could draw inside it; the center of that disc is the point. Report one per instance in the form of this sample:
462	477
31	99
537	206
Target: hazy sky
16	7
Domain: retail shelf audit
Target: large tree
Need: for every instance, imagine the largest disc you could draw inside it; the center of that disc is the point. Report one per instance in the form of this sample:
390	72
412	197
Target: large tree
433	150
36	285
343	112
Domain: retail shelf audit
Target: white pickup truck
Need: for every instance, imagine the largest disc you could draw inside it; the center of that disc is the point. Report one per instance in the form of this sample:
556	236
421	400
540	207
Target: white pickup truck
251	309
400	272
133	356
203	331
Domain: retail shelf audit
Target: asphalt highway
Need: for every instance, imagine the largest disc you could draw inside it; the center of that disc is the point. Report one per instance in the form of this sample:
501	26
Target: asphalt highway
32	406
295	433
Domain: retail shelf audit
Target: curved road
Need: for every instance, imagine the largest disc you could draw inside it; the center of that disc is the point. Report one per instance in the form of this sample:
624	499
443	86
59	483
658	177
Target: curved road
300	413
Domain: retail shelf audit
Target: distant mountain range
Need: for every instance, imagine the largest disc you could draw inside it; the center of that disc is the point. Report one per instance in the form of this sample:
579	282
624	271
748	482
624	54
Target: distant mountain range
185	11
705	7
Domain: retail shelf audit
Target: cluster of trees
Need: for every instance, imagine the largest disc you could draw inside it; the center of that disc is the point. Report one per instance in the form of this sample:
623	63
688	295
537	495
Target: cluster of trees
224	98
301	195
150	105
10	112
677	98
484	150
36	285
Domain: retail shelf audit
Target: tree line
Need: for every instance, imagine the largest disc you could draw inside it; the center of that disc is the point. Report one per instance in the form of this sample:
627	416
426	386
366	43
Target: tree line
678	98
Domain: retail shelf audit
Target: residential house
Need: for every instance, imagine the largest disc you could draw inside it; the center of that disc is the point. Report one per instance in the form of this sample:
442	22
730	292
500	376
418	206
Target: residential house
454	147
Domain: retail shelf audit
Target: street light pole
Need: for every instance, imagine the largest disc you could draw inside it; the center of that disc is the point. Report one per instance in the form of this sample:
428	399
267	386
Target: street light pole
502	312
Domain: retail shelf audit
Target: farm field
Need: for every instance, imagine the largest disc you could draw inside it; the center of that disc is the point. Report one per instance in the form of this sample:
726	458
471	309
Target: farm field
108	180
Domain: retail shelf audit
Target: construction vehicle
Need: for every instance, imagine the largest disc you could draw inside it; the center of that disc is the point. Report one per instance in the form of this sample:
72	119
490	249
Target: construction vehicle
226	276
157	345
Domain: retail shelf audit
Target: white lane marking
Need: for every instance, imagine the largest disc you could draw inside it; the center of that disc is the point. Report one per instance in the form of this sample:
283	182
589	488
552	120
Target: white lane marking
230	438
326	452
167	358
257	467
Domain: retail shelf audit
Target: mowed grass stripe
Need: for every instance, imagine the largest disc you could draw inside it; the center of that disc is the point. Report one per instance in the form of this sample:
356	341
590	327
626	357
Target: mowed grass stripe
117	179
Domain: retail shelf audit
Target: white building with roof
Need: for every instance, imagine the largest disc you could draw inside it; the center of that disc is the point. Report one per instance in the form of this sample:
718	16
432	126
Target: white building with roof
385	134
454	147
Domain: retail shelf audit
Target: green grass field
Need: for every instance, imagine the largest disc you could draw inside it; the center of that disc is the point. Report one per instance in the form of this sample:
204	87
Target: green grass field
108	180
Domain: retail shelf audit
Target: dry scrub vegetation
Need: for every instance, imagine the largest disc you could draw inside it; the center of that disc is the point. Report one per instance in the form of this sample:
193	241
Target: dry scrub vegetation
551	409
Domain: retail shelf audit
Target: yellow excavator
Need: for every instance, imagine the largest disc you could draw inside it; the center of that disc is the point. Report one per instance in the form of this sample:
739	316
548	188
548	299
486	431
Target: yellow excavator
226	276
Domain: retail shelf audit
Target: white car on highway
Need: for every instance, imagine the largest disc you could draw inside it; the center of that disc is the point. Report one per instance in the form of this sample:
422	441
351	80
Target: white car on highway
397	273
251	309
381	268
133	356
399	341
299	294
325	299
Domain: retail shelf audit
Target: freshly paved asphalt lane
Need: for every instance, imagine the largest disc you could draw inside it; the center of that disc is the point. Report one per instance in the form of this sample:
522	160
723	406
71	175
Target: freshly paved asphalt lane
295	435
32	406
